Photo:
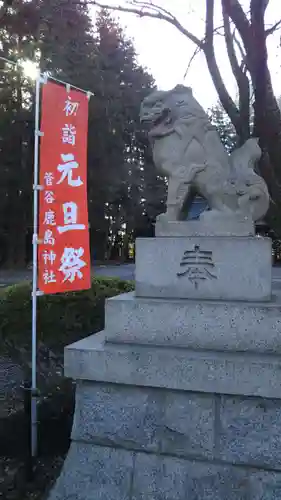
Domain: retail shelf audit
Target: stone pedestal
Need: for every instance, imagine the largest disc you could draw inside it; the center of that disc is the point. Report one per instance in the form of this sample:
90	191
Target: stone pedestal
180	396
204	267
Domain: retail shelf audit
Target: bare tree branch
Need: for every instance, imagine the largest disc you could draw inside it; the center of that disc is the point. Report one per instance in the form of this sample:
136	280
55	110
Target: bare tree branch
267	121
224	96
196	51
239	18
229	38
241	79
151	5
258	60
155	13
239	46
151	10
243	55
272	29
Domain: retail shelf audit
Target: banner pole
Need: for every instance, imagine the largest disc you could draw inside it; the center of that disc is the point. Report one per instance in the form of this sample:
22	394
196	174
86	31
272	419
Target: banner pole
34	272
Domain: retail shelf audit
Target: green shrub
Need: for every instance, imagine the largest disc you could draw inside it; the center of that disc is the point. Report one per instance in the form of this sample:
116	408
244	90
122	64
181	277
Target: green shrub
62	318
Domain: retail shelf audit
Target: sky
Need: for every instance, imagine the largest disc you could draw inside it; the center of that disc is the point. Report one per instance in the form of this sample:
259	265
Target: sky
166	53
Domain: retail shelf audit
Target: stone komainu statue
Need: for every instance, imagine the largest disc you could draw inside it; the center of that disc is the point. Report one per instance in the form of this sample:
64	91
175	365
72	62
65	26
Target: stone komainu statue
187	149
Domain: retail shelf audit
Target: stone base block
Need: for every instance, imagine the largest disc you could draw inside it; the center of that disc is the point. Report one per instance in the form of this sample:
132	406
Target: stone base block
179	369
211	325
137	443
183	424
93	472
222	268
145	419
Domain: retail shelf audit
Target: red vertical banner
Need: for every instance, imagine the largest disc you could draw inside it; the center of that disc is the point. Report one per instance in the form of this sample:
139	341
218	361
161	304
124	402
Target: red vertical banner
63	250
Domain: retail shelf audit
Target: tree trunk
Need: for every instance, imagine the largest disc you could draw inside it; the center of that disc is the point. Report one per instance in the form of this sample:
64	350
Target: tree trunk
268	127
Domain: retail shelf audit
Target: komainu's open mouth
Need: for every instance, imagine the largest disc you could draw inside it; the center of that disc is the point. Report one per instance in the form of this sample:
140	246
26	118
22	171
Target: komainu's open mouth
155	119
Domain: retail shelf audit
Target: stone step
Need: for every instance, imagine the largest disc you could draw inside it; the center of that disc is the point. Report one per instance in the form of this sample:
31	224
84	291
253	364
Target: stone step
179	369
207	325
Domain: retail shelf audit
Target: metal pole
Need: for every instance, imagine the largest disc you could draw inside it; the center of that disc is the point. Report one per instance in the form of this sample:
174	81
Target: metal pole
34	278
27	413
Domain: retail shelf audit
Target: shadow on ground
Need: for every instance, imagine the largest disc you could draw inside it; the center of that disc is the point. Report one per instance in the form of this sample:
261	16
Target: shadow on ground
55	422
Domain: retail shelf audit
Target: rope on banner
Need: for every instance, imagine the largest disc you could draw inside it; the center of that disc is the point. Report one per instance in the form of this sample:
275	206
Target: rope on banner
69	86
